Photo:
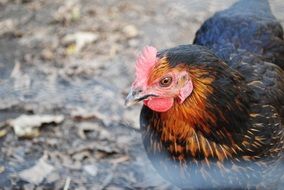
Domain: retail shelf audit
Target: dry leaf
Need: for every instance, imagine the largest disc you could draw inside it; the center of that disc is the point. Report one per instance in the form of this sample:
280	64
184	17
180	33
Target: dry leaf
130	31
3	132
27	125
91	169
37	173
80	39
2	169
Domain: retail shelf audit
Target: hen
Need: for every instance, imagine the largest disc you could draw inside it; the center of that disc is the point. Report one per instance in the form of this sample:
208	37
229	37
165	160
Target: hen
213	112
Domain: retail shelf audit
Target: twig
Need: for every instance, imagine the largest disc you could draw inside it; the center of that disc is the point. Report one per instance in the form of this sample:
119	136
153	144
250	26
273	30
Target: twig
67	183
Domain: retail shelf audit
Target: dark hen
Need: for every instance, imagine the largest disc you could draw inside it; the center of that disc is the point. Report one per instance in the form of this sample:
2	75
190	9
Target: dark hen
213	112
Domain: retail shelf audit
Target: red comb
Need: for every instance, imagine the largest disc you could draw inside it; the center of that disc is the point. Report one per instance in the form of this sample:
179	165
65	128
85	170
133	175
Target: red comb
144	63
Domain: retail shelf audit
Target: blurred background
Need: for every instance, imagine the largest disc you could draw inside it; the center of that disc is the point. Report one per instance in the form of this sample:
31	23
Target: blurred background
65	68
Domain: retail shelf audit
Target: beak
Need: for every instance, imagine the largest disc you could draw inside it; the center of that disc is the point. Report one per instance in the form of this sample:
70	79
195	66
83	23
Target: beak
135	96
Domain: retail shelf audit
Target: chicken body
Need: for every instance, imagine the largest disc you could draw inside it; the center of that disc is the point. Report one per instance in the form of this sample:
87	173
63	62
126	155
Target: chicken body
228	133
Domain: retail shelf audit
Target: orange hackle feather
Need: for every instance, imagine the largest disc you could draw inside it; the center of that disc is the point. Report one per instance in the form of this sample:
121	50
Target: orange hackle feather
180	121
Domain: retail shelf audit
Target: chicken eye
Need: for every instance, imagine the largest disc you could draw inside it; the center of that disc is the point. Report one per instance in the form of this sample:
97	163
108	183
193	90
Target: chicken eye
165	82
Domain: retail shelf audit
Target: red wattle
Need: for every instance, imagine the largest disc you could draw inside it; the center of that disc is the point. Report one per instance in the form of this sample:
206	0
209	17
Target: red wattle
159	104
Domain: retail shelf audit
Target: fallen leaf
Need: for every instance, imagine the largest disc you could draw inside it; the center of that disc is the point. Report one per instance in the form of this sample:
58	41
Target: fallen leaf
82	114
2	169
27	125
130	31
120	159
88	126
52	177
7	26
96	146
3	132
47	54
80	39
38	172
68	12
79	156
71	49
65	160
91	169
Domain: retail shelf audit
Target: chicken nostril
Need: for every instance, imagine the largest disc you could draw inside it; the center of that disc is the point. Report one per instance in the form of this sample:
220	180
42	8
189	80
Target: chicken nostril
135	92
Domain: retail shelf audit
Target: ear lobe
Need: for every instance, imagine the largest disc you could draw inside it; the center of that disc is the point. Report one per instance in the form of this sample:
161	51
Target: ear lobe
185	91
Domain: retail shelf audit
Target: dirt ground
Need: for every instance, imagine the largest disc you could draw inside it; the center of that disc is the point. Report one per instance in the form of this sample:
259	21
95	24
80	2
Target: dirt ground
67	66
